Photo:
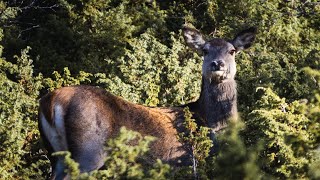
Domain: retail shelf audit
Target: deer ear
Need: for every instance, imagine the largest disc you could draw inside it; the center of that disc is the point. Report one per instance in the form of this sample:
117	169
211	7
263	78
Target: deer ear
193	38
244	39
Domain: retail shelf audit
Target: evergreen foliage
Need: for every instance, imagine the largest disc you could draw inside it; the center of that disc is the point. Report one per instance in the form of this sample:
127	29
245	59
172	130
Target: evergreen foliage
242	161
20	152
198	142
134	49
284	130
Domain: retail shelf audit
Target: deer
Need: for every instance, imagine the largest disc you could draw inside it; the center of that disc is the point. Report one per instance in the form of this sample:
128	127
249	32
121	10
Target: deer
80	119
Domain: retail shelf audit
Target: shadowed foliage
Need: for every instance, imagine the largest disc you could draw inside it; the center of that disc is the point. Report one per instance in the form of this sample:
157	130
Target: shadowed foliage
135	49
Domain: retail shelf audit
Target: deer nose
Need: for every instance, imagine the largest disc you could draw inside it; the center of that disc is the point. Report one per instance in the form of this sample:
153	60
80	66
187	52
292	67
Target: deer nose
217	65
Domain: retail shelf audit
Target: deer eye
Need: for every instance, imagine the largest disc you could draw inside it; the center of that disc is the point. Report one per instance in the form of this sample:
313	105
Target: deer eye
232	52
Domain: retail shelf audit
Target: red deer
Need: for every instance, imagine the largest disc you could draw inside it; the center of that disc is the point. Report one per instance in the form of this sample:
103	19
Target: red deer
80	119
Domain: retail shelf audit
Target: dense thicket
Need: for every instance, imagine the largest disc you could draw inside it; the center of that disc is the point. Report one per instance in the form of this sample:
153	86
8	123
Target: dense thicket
134	49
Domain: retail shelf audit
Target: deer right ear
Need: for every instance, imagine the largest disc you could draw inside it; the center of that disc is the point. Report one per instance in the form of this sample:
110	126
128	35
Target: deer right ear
193	38
244	39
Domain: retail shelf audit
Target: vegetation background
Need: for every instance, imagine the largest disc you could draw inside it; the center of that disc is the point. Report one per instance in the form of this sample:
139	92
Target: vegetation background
134	48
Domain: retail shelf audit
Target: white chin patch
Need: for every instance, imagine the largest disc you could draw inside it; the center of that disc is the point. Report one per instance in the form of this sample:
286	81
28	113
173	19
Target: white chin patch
219	76
218	73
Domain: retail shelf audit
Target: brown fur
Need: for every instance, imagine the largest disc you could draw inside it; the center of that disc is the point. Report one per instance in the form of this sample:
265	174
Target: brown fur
114	113
61	96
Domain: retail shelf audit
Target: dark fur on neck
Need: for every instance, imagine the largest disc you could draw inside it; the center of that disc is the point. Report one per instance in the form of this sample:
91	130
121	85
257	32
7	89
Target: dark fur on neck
219	104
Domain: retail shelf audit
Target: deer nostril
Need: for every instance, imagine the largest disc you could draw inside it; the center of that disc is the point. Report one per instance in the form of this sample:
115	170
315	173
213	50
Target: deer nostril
216	65
221	63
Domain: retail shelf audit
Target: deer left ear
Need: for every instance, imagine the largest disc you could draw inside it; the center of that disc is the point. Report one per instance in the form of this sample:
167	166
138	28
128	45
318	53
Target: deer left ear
244	39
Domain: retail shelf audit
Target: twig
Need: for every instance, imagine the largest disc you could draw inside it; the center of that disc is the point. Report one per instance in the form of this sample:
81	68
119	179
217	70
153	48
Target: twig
33	27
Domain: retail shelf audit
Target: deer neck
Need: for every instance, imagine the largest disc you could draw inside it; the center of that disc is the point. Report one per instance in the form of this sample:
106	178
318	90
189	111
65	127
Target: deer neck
217	104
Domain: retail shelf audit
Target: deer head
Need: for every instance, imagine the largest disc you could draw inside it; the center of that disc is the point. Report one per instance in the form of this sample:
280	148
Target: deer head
219	55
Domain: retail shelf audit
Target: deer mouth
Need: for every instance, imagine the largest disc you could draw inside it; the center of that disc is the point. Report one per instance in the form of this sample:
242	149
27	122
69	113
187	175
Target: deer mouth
218	73
219	76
